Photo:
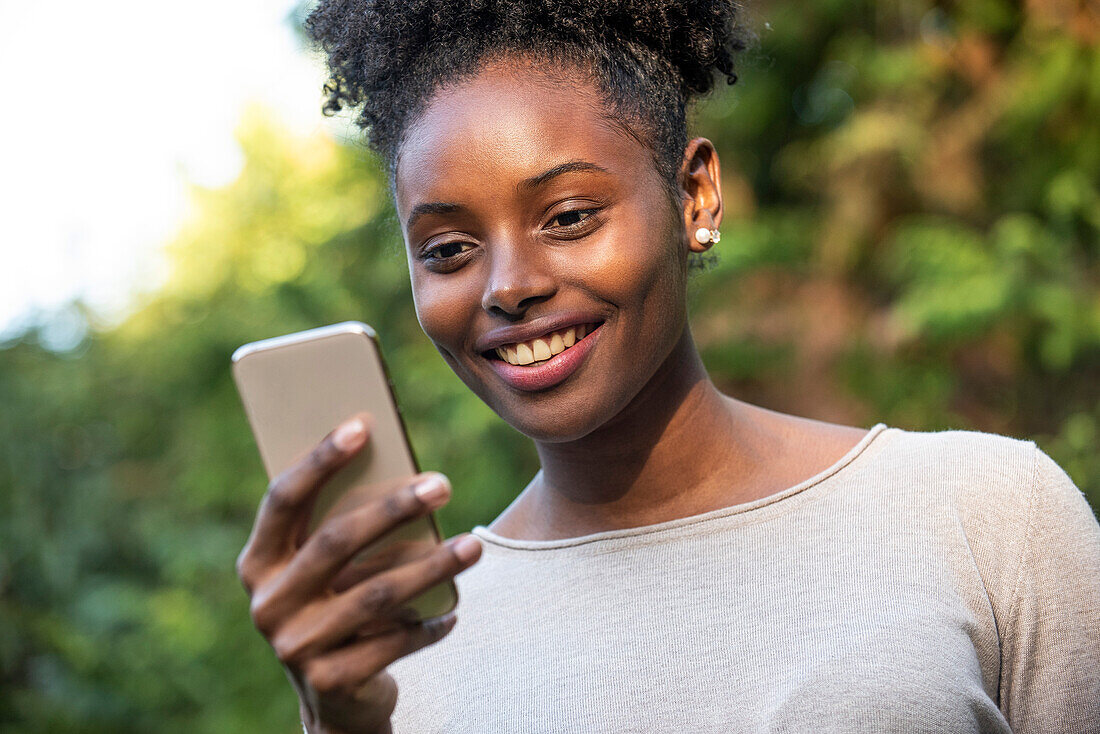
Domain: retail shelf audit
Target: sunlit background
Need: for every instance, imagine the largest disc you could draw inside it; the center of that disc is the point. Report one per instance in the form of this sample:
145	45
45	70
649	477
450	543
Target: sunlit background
111	111
912	236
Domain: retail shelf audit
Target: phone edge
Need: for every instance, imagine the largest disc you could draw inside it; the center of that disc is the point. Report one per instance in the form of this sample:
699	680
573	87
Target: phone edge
344	327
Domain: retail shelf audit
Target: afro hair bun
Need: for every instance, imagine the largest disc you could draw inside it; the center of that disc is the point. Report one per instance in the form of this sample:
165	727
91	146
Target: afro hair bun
388	56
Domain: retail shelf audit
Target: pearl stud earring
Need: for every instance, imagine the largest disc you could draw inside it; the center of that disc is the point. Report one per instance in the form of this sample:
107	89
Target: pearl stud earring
704	236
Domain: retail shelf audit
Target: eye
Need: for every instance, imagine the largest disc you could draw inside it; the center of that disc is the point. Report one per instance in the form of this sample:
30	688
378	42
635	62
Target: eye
573	218
448	250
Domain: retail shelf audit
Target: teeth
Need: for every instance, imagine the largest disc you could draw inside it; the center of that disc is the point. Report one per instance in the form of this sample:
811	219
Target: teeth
557	346
508	355
543	348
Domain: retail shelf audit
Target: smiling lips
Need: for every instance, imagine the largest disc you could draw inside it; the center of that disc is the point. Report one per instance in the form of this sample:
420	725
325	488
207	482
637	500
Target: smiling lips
542	363
543	348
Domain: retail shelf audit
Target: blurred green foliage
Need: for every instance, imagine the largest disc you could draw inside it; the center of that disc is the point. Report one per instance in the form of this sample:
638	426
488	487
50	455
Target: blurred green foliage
911	236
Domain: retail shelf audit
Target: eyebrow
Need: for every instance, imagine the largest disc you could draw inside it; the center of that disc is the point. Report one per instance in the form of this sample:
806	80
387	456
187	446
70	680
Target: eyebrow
443	207
569	167
434	207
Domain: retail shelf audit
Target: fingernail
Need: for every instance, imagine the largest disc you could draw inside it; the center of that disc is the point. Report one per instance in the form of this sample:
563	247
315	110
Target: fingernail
349	434
466	548
433	490
445	624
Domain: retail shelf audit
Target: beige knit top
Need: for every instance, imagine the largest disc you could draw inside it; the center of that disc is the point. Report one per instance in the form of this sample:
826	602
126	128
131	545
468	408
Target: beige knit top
926	582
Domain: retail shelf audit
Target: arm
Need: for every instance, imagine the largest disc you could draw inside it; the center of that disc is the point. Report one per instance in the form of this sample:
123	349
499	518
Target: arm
1050	660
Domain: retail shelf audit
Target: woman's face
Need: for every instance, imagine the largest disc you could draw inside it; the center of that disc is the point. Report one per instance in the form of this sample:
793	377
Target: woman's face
532	223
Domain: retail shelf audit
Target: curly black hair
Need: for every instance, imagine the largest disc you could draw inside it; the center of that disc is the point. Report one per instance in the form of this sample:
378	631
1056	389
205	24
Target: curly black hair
649	58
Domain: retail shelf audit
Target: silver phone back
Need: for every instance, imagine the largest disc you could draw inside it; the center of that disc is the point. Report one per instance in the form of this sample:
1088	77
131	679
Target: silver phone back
297	388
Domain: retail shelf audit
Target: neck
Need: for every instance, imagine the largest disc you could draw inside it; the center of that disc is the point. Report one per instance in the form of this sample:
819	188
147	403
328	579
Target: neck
657	460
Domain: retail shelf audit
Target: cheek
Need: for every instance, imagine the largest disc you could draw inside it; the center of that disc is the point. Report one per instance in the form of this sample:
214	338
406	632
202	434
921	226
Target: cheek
642	266
654	291
441	305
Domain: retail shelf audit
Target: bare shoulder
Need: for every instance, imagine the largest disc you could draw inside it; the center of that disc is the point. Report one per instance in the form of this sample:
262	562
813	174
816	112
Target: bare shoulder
834	437
928	453
809	444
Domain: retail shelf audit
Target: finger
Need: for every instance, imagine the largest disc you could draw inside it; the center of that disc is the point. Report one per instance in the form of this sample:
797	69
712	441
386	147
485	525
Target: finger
393	554
383	598
346	670
376	605
332	545
289	495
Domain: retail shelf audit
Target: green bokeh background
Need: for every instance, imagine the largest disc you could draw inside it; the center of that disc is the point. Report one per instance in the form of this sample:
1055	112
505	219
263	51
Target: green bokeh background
911	237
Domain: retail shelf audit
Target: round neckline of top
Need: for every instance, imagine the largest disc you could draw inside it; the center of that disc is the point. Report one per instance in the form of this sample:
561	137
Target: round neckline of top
488	536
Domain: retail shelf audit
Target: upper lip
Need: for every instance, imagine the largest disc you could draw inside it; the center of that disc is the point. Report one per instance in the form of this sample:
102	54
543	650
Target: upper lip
502	335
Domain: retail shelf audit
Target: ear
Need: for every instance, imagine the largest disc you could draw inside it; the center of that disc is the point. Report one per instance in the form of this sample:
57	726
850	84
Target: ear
700	191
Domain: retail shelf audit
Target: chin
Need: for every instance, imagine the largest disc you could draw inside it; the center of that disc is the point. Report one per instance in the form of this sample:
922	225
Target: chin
543	417
553	416
561	428
562	417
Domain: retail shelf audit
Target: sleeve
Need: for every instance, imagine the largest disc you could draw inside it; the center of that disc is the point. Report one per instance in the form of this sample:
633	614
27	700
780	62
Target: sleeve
1050	665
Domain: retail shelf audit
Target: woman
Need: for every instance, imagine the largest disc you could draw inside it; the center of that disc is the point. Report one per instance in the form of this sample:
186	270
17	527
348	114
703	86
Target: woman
683	561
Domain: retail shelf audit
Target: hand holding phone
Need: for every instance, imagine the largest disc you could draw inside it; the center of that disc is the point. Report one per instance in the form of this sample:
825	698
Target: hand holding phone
342	594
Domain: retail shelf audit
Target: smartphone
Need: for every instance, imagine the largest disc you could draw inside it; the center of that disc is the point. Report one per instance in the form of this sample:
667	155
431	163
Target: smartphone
299	387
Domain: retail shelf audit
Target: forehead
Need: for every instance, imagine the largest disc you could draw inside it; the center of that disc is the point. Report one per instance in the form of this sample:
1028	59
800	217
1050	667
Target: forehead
506	124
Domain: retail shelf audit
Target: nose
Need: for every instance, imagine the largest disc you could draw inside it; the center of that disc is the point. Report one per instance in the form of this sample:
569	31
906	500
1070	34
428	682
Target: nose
518	279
